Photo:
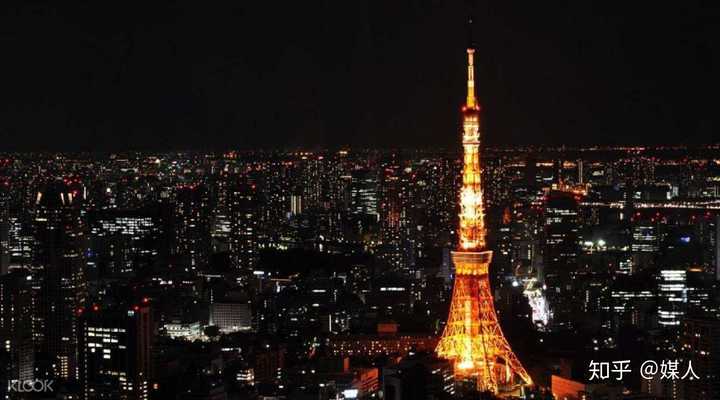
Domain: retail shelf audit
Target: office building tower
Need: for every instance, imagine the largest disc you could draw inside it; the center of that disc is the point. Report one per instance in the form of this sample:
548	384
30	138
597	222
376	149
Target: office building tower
560	255
672	293
116	349
717	247
231	316
700	345
192	227
364	194
4	230
244	220
418	378
127	241
60	264
16	324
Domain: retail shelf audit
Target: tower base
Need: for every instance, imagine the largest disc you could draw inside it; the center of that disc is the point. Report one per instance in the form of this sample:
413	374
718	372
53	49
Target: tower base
473	339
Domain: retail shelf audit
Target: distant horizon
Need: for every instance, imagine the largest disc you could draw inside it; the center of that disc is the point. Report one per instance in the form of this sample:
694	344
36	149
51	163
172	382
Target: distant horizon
429	149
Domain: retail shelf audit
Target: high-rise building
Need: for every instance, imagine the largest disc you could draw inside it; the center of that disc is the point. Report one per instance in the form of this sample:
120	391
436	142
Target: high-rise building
16	323
363	192
231	316
417	378
61	245
21	243
221	224
473	340
244	220
393	216
717	247
561	234
700	345
192	226
560	255
503	258
296	204
126	241
311	174
672	293
116	346
645	237
629	305
4	230
680	280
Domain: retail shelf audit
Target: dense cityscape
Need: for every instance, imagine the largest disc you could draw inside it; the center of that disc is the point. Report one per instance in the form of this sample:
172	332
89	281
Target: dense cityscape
327	274
345	220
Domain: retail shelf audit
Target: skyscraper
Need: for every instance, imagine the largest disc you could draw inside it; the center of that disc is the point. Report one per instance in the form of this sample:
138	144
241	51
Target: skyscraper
393	215
16	323
717	247
560	257
192	226
126	241
672	294
62	288
363	191
115	348
700	344
4	230
244	250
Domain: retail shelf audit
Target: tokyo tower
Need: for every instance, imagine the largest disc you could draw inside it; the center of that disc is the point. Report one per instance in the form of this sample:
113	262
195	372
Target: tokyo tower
473	339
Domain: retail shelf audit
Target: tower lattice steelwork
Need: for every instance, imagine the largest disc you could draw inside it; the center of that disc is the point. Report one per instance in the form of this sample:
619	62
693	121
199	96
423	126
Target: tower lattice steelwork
473	339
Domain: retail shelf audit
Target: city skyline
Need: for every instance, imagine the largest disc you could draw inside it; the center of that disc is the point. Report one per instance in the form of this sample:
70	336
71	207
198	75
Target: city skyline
595	252
252	202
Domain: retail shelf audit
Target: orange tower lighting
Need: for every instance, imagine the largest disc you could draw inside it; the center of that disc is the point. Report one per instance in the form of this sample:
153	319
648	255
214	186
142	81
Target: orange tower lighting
473	339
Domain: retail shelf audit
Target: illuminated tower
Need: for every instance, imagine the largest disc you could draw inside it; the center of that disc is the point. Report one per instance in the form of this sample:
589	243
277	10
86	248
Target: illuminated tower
472	339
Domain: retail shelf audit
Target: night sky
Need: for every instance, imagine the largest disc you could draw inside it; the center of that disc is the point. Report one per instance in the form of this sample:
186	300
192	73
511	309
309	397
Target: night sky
242	74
